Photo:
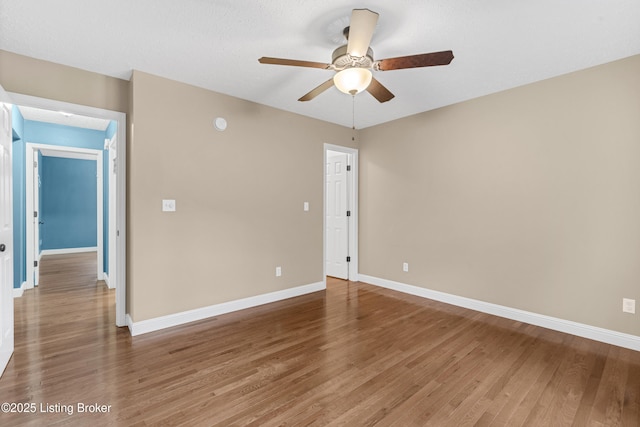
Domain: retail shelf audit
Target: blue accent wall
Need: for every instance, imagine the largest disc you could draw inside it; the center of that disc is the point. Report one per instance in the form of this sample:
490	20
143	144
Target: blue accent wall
111	129
66	136
68	208
17	122
19	202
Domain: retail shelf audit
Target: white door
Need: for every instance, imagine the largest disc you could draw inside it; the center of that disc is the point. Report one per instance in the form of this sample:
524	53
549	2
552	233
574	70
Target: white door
113	230
6	239
37	220
337	221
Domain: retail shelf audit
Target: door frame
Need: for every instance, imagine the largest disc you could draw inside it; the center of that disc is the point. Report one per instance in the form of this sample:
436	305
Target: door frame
121	119
31	192
353	204
111	146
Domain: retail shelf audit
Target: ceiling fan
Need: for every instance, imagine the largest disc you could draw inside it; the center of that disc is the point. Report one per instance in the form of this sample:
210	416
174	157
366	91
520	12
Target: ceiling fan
354	61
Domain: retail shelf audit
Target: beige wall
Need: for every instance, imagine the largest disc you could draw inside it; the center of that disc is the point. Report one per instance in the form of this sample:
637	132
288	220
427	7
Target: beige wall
29	76
239	193
528	198
239	197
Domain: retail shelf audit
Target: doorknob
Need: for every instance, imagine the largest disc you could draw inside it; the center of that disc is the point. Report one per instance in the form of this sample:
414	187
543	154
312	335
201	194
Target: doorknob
2	247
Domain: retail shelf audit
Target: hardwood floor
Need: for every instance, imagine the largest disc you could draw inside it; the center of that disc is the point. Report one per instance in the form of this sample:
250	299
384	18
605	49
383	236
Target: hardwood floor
353	355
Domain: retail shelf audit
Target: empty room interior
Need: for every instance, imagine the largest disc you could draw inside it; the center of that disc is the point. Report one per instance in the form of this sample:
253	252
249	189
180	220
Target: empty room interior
334	213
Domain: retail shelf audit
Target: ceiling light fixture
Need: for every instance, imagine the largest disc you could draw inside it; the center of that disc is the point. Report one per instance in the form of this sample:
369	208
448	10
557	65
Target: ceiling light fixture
352	80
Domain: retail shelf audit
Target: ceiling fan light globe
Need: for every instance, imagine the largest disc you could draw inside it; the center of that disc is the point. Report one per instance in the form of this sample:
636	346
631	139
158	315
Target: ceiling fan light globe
352	80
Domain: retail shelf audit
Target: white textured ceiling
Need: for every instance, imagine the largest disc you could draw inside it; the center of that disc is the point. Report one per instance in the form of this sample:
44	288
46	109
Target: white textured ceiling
215	44
63	118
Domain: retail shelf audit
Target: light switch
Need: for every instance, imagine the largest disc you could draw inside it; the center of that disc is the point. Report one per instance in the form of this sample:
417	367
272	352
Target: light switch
168	206
306	206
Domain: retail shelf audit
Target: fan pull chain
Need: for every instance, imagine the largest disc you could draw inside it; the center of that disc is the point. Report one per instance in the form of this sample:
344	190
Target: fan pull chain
353	112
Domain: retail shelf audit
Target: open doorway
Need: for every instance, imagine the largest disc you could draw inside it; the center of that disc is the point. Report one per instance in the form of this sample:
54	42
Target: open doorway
340	212
36	219
116	247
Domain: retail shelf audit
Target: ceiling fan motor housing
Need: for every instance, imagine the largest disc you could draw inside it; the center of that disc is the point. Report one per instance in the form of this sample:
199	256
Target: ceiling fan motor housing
341	60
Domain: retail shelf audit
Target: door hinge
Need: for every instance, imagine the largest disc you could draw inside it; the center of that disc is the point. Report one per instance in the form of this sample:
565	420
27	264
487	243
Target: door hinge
35	214
348	259
35	164
348	213
35	263
348	168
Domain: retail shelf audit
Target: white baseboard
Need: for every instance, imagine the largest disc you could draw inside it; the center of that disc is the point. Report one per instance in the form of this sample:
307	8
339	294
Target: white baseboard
579	329
67	251
18	292
105	277
129	324
158	323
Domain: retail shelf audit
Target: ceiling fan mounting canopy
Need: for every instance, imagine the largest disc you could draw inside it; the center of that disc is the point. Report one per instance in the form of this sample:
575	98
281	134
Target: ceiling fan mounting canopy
354	61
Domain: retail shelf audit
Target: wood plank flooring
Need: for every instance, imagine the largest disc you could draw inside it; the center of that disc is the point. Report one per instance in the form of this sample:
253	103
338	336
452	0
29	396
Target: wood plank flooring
355	355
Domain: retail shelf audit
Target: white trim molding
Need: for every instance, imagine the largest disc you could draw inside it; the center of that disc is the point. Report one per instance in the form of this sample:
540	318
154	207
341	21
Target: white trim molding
18	292
574	328
65	251
176	319
106	280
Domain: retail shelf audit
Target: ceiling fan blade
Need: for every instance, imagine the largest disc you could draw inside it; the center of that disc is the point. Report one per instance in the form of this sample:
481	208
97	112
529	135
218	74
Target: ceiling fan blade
379	92
415	61
361	26
317	91
293	62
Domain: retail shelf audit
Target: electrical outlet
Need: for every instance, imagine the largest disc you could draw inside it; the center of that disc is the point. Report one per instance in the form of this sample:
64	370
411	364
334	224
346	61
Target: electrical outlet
278	271
405	267
305	206
628	305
